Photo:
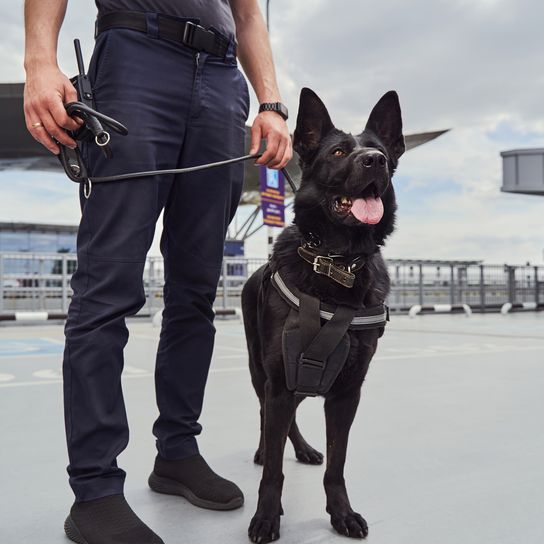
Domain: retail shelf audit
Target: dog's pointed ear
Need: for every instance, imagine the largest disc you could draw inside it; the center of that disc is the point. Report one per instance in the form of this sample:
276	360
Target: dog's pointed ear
313	124
385	122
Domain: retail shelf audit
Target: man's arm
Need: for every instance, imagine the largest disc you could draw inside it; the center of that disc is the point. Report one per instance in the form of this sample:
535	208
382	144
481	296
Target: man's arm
46	87
256	58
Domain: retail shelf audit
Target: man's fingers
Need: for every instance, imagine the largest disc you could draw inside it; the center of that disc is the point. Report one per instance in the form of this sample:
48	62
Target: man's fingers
61	118
276	160
287	156
54	130
41	136
38	131
256	136
272	143
70	93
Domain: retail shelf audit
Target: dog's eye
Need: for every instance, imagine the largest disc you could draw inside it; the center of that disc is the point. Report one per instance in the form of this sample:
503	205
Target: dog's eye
339	152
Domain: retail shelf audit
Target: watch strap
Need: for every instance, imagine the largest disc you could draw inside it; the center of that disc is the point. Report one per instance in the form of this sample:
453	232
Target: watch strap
278	107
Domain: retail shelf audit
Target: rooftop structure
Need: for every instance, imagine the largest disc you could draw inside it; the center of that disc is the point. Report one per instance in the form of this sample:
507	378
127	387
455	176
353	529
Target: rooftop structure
523	171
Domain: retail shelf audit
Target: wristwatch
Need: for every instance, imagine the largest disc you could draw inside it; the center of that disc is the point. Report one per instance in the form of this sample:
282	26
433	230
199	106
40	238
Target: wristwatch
278	107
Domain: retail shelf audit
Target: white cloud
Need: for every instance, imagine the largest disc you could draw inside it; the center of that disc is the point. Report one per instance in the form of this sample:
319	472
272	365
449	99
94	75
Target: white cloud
469	65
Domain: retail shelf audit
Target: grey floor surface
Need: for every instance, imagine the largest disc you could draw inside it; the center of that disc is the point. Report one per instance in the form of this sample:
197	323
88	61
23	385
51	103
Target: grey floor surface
447	447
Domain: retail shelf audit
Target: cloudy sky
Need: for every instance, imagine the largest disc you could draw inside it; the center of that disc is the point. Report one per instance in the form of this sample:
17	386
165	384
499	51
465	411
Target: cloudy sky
474	66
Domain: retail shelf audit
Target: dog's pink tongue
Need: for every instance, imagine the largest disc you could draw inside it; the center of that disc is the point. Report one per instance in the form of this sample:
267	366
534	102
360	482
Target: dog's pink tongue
367	210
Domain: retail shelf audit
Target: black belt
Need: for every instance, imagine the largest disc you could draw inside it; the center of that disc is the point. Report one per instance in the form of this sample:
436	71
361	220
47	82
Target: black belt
186	32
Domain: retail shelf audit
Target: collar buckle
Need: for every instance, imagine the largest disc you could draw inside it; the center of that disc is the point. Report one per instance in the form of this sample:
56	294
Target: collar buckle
322	261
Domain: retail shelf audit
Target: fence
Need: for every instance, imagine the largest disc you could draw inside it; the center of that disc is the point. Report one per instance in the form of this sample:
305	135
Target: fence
41	282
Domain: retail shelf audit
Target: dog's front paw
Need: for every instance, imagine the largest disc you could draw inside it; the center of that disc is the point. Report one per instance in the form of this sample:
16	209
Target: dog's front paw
264	529
309	456
350	524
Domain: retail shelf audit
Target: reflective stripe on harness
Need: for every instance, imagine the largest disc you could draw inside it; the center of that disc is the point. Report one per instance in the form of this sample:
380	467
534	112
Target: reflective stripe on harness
373	317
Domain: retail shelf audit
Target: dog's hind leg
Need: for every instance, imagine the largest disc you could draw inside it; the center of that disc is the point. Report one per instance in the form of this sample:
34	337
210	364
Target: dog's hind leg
280	407
258	458
303	451
339	413
250	309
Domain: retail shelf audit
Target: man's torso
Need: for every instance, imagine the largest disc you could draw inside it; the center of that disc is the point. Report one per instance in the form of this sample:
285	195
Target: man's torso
216	13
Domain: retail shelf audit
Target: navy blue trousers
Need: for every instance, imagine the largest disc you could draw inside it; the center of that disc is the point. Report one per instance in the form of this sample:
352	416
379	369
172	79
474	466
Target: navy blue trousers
181	109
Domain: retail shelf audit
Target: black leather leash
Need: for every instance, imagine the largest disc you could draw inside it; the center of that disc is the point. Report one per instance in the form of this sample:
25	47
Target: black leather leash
94	125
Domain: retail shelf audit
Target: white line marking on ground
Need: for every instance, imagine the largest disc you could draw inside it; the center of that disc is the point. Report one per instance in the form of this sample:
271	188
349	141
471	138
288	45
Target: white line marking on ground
244	368
134	370
233	356
48	374
6	377
144	336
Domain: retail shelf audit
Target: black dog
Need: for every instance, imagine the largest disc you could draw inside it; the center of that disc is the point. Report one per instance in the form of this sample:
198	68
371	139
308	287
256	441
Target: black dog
344	210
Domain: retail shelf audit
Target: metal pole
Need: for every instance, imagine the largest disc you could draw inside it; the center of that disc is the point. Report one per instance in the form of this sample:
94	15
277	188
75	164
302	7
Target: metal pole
421	285
482	288
224	284
64	280
41	284
511	284
1	283
452	284
537	294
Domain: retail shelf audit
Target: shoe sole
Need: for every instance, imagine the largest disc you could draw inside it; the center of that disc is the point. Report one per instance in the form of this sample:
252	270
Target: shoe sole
72	532
167	486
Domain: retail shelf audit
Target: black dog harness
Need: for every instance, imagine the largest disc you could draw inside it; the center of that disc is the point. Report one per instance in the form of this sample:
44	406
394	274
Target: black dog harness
314	354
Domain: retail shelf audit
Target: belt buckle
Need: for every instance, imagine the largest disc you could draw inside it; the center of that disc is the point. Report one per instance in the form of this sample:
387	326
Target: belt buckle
197	37
188	33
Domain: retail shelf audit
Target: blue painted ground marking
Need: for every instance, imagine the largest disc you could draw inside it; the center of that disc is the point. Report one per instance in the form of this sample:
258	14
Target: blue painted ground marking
29	347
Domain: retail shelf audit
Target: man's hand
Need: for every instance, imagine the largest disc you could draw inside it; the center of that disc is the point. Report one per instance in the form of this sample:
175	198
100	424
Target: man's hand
279	150
256	58
47	89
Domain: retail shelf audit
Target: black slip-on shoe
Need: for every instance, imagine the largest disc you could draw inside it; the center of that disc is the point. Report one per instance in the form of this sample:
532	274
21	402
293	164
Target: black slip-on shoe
193	479
108	520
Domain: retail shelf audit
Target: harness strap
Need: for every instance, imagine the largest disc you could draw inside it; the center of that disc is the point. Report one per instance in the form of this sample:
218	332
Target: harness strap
373	317
310	319
329	335
318	344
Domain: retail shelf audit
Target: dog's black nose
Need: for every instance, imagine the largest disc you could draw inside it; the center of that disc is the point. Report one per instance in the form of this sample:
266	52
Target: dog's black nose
372	159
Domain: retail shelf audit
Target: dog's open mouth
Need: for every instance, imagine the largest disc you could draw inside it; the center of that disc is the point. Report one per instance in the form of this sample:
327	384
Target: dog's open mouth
366	209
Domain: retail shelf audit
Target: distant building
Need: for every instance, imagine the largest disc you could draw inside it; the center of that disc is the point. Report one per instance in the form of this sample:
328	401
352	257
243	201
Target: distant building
35	238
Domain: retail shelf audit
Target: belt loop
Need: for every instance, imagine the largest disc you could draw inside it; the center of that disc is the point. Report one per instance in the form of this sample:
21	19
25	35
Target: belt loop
231	53
152	20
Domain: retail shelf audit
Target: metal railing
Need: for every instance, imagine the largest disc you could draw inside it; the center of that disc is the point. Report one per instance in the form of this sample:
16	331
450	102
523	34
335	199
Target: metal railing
41	282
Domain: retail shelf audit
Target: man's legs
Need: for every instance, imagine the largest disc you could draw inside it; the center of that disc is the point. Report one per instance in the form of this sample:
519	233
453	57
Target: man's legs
199	210
140	81
116	231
